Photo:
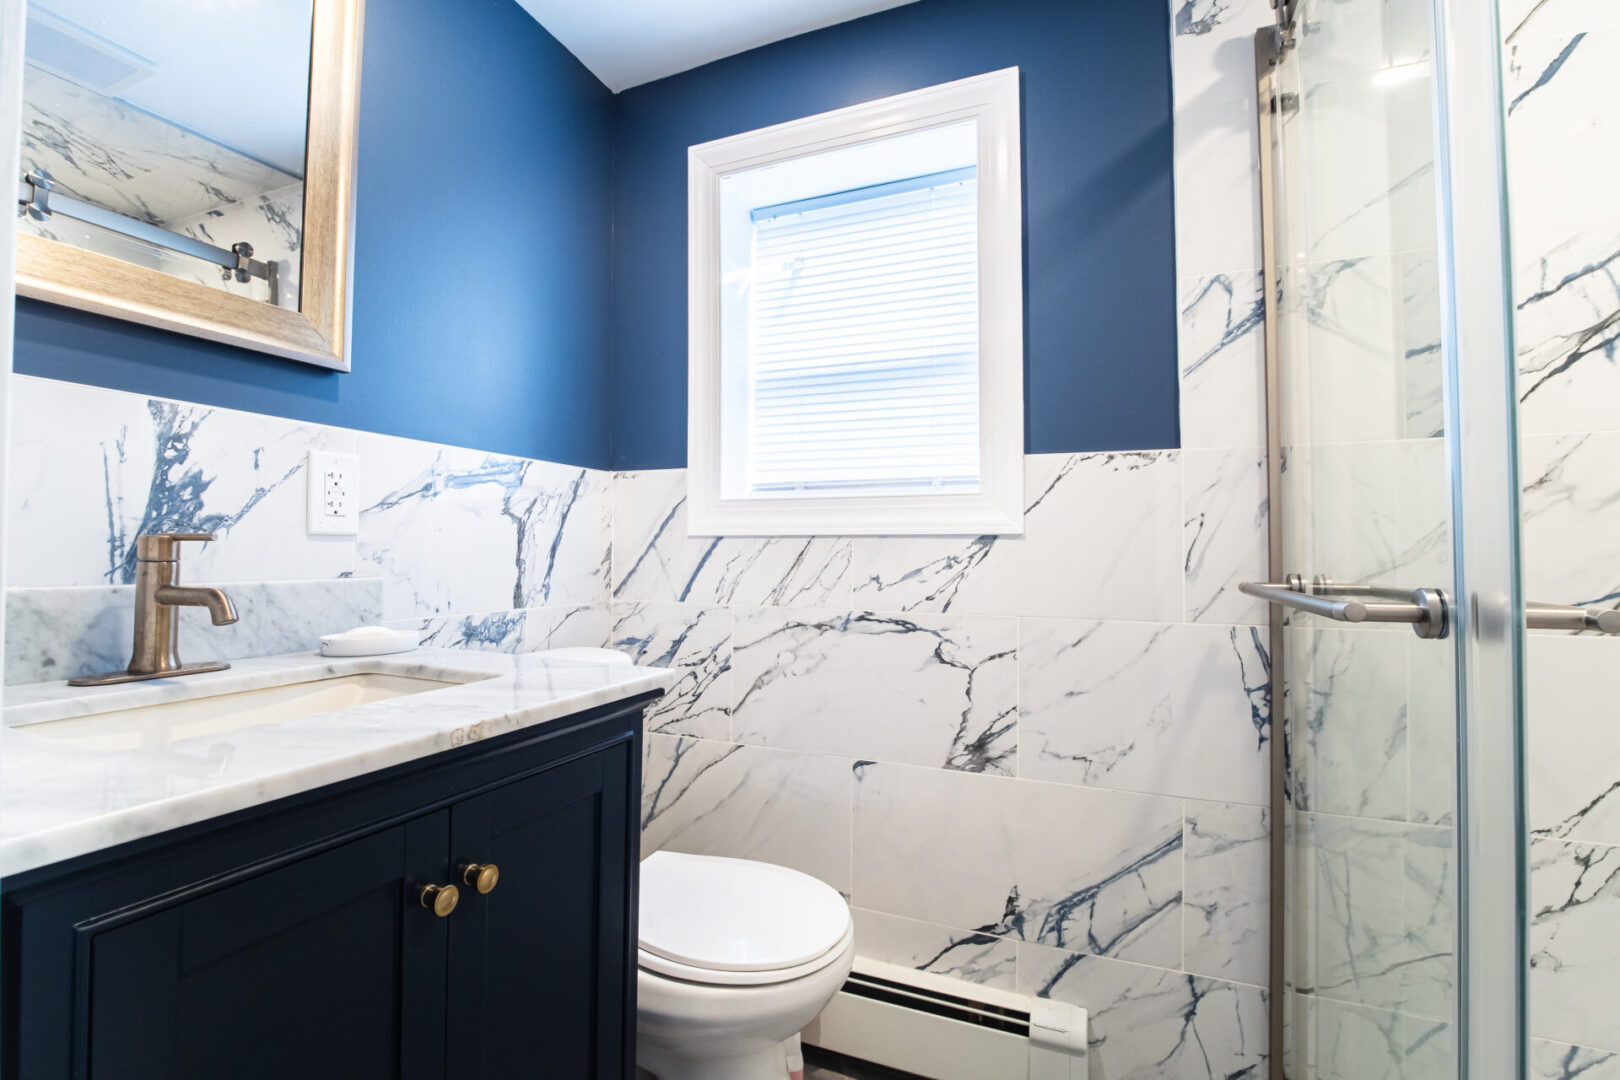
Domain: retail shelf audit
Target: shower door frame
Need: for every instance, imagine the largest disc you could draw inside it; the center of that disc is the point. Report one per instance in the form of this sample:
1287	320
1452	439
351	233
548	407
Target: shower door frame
1479	375
1482	452
1268	49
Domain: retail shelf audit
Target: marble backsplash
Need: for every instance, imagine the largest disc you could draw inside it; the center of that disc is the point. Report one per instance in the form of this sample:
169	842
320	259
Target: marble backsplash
470	549
60	633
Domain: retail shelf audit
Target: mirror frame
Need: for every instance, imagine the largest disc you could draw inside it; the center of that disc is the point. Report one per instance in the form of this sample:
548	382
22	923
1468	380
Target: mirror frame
316	333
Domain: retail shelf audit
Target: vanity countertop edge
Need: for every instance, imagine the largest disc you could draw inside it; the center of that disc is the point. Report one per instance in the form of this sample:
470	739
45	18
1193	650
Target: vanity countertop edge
59	801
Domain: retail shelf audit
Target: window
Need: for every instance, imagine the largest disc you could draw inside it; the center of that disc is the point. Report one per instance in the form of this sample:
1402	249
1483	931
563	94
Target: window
856	352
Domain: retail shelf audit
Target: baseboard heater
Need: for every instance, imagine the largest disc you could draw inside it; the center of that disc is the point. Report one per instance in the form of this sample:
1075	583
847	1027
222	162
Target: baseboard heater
948	1029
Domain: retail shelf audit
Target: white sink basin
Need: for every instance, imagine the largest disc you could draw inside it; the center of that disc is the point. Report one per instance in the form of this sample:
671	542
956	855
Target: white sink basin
221	714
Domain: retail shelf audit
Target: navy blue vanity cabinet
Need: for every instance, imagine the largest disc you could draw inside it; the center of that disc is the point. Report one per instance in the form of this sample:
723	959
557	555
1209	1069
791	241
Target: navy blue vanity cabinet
252	978
531	971
291	940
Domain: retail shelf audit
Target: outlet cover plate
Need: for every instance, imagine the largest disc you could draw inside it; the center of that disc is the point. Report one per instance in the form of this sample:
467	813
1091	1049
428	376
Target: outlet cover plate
334	493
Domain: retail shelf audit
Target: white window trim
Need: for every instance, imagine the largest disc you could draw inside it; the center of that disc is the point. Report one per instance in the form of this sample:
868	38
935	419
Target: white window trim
998	507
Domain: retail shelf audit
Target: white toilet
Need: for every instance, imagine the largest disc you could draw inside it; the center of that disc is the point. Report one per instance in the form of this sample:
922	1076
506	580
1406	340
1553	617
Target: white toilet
736	957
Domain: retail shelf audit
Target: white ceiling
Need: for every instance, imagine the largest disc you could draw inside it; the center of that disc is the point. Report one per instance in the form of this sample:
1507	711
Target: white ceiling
236	72
629	42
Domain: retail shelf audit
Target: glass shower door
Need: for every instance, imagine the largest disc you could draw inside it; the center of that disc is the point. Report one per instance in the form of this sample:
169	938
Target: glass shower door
1364	586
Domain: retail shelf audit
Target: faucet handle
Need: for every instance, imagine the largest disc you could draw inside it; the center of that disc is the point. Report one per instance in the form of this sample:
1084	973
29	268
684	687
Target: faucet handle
159	547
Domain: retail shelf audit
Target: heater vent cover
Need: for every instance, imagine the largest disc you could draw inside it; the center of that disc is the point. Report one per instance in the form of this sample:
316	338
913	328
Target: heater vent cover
927	1025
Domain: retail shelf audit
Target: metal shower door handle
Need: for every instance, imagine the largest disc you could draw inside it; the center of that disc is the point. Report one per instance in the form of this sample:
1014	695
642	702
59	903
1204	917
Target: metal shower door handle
1428	611
1559	617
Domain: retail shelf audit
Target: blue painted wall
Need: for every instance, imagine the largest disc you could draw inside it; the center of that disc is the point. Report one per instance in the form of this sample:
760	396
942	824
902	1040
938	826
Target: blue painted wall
481	255
519	227
1100	315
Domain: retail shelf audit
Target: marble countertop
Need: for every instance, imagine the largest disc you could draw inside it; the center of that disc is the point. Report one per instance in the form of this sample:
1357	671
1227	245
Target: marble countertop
60	799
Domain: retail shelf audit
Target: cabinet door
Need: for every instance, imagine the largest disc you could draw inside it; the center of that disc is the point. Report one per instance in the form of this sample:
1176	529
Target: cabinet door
541	976
324	967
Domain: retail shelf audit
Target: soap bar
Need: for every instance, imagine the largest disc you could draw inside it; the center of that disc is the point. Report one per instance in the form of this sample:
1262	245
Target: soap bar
368	641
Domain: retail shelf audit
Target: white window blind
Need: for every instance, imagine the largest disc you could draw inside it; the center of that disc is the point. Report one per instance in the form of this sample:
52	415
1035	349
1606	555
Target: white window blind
863	354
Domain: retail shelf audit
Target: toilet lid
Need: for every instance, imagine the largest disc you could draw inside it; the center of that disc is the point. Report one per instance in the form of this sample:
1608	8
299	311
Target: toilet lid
736	914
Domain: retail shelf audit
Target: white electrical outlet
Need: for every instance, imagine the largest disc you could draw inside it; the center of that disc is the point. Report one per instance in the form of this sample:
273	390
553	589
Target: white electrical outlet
334	494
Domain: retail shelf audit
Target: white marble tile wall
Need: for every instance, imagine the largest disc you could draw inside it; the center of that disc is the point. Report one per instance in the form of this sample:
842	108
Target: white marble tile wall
1218	259
1040	762
472	549
1147	1023
1057	741
1562	64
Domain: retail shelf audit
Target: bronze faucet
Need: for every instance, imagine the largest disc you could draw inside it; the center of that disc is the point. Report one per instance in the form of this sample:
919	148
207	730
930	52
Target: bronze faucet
157	625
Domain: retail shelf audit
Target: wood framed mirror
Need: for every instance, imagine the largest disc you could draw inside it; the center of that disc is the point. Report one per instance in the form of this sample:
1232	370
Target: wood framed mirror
128	231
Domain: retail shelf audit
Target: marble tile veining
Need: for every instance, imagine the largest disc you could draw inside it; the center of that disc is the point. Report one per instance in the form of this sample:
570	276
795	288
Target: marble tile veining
1379	896
748	802
1574	912
1150	1024
516	630
969	955
696	643
1521	18
1571	513
935	690
1093	871
655	560
1572	764
1561	1061
1212	47
1226	909
1366	150
1348	732
1354	342
1221	347
1563	92
459	530
1226	534
140	465
124	158
1336	1040
1377	511
1568	327
1170	709
1101	541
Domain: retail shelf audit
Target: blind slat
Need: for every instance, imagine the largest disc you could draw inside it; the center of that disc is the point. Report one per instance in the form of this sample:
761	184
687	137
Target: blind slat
863	358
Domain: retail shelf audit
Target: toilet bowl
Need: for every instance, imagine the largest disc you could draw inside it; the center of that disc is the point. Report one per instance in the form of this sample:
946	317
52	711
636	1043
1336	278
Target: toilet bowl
735	958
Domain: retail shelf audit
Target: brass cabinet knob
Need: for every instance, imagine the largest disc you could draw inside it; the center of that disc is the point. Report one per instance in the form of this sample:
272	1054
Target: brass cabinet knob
441	899
481	876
